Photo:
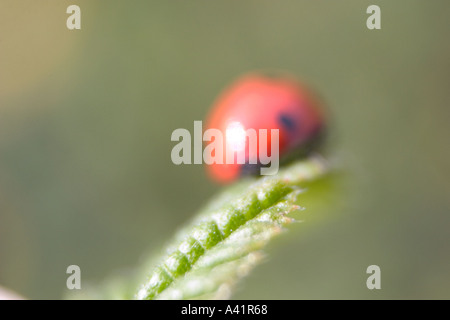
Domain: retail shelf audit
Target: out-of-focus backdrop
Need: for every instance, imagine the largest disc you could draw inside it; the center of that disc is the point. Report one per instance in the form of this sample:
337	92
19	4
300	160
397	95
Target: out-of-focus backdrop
86	117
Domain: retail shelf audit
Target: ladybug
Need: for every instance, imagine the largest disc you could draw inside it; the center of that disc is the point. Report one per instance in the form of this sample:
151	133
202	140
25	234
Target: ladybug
261	101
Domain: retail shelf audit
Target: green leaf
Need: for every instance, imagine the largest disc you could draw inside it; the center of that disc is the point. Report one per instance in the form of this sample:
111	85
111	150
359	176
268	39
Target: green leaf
224	241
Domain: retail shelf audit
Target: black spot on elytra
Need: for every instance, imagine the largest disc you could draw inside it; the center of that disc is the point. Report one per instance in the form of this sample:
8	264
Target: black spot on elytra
287	122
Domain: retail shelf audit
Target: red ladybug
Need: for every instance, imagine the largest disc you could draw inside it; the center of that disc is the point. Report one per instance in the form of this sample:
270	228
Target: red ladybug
259	101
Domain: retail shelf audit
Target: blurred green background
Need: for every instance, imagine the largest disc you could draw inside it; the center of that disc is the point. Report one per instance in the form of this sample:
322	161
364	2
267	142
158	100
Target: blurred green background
86	117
